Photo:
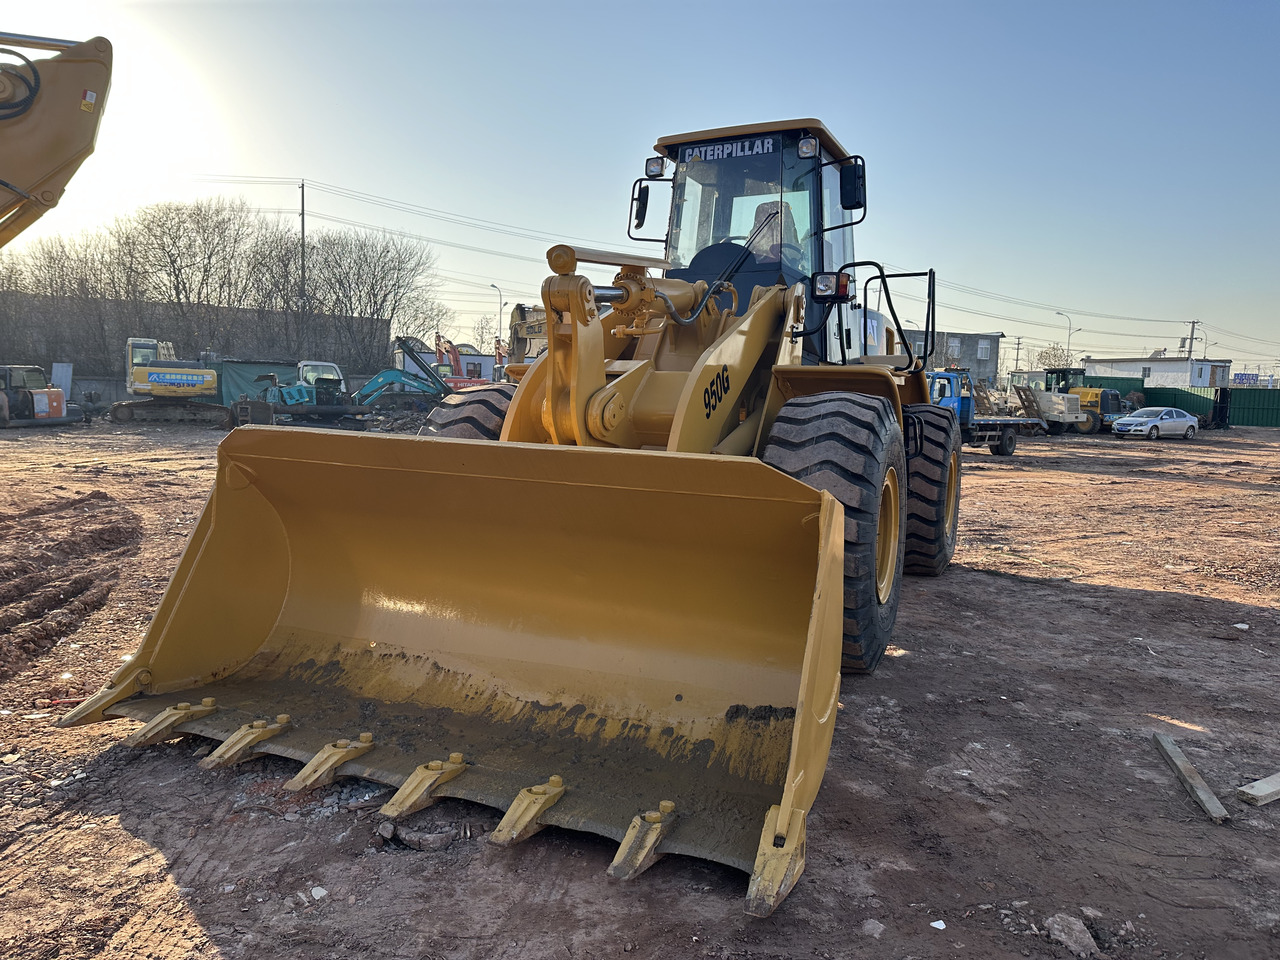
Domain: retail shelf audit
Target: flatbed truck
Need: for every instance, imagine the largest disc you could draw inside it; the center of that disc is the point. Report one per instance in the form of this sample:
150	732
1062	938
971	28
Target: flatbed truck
955	389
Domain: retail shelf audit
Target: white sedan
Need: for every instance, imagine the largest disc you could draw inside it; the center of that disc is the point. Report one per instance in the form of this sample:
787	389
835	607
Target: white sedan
1153	422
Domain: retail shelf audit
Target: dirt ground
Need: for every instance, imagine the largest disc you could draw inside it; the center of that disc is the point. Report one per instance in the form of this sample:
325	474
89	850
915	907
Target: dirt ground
996	771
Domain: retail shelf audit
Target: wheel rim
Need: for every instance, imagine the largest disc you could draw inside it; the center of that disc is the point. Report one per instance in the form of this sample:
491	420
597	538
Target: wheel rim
1155	432
887	536
953	495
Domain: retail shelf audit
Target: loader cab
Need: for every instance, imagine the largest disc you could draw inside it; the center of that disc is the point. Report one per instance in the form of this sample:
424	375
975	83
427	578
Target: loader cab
1063	379
761	205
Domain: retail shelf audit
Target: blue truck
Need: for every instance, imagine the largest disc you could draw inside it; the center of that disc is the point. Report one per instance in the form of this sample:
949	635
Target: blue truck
955	389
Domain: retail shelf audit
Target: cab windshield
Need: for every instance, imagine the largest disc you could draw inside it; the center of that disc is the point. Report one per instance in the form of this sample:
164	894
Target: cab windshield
748	199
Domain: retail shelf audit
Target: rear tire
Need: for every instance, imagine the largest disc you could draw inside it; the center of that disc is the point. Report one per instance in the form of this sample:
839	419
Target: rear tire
851	446
1190	434
474	414
1007	443
933	492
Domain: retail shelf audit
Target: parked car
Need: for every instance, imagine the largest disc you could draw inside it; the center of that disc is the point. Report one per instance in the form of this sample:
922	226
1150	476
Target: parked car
1153	422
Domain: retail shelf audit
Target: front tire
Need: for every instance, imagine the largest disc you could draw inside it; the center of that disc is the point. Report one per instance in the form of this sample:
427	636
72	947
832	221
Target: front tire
1056	427
1091	425
1153	433
933	491
850	445
474	414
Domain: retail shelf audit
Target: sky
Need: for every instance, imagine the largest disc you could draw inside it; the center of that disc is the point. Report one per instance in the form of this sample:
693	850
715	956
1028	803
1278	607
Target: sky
1110	161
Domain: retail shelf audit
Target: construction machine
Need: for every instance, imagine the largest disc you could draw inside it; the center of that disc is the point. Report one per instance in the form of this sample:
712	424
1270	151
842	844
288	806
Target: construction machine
27	399
1060	411
1101	406
49	113
528	335
412	384
173	390
721	497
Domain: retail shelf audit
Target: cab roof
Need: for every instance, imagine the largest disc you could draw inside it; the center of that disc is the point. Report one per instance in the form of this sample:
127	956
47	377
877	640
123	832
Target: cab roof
667	145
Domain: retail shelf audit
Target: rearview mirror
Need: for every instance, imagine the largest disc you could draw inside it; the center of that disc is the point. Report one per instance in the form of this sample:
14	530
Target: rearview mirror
642	205
853	186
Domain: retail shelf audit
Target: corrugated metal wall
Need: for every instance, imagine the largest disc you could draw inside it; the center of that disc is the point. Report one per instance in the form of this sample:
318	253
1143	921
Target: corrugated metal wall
1197	400
1250	406
1255	407
1125	385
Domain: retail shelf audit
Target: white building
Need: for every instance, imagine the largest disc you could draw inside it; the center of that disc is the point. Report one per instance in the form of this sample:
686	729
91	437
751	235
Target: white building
1163	371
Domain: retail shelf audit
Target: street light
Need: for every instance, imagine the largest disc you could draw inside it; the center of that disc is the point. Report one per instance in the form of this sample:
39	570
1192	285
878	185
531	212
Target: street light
1070	324
497	320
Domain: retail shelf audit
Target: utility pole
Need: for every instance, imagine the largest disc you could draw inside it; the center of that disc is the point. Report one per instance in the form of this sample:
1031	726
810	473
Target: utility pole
302	292
1017	353
1191	340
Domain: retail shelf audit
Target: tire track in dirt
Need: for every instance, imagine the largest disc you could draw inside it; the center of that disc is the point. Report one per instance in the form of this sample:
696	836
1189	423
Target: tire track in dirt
60	559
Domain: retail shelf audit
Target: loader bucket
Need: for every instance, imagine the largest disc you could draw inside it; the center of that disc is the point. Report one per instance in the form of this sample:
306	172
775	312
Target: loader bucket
637	644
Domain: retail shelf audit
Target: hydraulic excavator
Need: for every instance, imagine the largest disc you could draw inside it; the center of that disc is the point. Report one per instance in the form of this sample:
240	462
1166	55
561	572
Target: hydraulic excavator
721	494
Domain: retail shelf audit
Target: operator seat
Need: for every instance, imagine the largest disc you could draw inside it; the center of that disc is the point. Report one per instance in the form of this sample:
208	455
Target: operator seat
767	247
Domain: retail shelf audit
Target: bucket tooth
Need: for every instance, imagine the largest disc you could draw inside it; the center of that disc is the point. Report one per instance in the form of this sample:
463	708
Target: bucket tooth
639	849
520	822
320	769
779	863
240	745
163	725
415	793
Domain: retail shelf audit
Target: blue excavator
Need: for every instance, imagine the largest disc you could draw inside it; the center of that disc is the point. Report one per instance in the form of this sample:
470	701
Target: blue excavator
399	389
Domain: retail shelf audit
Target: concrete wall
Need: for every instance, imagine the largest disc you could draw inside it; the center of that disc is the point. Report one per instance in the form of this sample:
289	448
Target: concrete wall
963	350
1165	371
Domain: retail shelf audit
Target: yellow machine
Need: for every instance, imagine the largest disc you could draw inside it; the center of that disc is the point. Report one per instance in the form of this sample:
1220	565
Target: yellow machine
528	335
721	495
174	391
1101	406
49	113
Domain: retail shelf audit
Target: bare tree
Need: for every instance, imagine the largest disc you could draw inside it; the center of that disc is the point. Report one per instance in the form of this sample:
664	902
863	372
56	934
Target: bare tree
1054	355
485	329
213	274
365	276
194	255
425	317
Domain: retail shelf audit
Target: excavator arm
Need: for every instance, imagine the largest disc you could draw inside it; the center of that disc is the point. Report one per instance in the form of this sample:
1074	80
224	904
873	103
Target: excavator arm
49	113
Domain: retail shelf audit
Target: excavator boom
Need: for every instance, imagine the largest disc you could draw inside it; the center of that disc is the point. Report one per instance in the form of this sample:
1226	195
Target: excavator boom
49	114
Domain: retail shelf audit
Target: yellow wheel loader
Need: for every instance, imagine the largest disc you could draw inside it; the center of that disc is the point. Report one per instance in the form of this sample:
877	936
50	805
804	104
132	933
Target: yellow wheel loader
724	472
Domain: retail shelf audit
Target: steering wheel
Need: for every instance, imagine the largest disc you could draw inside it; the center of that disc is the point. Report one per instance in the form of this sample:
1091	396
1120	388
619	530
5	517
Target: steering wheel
793	248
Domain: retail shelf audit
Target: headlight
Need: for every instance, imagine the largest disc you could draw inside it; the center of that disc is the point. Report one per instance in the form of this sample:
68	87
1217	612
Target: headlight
807	149
830	286
654	166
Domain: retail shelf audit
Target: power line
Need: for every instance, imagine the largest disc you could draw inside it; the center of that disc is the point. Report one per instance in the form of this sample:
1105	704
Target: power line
524	233
401	206
1004	298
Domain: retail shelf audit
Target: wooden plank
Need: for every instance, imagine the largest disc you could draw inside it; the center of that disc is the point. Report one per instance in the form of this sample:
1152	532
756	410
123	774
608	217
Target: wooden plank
1192	780
1261	791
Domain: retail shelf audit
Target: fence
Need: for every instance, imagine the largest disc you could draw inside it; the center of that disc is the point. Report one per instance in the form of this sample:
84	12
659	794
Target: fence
1250	406
1255	407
